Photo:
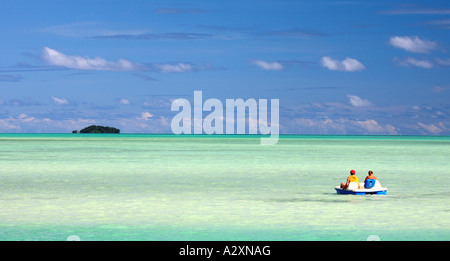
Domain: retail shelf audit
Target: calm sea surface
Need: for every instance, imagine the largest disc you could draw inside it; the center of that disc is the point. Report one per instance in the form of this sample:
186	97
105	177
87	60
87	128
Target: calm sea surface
166	187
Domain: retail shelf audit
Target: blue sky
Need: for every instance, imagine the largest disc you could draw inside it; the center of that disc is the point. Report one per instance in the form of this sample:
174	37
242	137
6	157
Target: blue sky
337	67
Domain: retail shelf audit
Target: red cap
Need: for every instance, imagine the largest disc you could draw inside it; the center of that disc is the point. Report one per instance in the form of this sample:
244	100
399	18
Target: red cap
352	171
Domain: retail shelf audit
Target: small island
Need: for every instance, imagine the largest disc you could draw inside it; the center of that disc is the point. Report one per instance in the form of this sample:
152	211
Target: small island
98	129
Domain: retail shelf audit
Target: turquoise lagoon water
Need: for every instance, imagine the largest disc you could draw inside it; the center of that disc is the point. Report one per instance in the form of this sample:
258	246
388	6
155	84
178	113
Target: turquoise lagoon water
167	187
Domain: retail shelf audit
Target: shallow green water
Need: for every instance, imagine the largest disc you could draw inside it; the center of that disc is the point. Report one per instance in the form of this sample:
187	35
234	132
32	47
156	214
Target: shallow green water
165	187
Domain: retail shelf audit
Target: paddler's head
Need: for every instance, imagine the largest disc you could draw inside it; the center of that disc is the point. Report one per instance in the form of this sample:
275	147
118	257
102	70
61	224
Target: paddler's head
352	172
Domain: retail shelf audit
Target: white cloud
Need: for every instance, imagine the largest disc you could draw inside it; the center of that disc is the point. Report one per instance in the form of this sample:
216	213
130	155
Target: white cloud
358	102
347	65
438	89
17	124
124	101
88	29
415	44
54	57
57	58
179	67
443	21
25	123
268	66
7	126
25	118
60	101
431	128
137	125
145	116
428	11
79	29
10	78
425	64
343	126
372	126
444	62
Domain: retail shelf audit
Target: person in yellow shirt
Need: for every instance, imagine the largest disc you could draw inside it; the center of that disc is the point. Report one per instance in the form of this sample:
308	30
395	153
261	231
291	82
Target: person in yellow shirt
351	178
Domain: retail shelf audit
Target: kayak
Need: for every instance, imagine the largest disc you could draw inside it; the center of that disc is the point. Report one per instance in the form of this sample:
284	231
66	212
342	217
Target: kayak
371	186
